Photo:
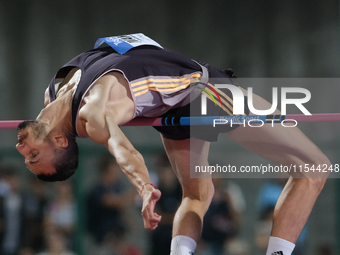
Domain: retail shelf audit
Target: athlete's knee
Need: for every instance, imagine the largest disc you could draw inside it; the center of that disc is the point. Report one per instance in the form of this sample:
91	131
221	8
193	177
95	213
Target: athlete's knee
313	175
316	167
314	186
202	193
318	184
319	170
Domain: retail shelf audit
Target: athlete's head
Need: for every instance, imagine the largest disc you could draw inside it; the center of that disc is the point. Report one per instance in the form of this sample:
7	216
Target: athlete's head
52	157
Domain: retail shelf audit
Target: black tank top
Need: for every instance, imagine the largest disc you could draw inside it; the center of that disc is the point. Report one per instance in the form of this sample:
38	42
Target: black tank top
137	63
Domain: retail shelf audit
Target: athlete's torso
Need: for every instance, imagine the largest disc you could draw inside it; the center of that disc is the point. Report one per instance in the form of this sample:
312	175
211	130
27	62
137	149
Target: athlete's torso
158	79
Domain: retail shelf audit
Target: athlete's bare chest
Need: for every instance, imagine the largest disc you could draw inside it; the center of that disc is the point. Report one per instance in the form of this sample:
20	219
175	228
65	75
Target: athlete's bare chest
108	96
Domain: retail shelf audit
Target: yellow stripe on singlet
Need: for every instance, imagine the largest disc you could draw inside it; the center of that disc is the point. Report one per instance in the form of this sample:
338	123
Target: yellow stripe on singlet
162	84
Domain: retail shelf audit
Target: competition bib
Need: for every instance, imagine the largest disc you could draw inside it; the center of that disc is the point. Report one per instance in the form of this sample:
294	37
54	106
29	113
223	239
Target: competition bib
123	43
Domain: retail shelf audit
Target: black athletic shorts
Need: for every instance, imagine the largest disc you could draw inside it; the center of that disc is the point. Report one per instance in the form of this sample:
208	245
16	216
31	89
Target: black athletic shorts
203	132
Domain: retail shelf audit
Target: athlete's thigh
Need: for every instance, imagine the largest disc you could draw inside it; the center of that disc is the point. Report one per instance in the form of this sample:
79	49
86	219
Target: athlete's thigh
184	155
281	145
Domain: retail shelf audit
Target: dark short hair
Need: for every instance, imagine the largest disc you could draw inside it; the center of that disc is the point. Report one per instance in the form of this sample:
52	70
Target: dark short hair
38	130
26	123
65	162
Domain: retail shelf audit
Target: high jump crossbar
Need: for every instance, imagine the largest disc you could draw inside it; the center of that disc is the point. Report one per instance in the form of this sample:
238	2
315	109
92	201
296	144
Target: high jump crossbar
210	120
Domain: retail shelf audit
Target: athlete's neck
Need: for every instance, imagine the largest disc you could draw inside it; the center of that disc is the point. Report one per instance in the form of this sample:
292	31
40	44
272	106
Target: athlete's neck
58	114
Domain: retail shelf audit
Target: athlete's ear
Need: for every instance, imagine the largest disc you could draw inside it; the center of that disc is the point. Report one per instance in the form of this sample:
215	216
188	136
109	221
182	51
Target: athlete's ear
60	140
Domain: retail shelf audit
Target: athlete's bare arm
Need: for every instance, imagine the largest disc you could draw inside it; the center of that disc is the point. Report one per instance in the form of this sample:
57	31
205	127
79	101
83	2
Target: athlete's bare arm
105	106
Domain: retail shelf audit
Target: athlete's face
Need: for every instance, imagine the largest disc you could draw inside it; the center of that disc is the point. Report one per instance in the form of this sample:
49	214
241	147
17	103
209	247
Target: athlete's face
36	148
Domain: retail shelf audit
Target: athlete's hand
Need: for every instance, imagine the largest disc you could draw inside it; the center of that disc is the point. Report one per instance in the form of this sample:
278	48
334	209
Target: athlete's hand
150	196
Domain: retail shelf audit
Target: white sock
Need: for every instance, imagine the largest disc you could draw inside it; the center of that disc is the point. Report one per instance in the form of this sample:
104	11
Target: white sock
182	245
278	246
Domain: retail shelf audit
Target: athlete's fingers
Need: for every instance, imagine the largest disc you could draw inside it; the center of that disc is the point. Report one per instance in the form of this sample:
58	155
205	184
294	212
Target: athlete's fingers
151	218
152	223
155	196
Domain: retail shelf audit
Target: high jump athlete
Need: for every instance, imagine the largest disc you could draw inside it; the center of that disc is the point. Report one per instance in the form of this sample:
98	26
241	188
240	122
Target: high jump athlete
99	90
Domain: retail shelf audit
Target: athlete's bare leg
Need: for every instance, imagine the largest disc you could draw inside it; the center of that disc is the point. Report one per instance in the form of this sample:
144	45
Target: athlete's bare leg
197	192
279	144
286	146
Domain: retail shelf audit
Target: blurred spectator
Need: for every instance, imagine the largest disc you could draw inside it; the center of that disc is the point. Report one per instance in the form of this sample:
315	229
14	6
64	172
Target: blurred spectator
4	186
267	198
324	249
61	212
222	219
35	203
12	215
166	206
55	244
27	251
237	246
117	243
107	200
263	229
